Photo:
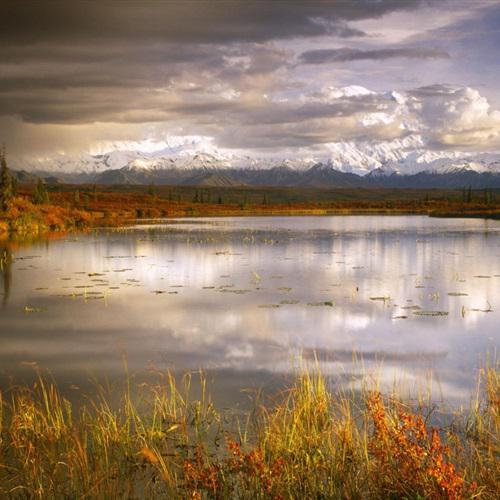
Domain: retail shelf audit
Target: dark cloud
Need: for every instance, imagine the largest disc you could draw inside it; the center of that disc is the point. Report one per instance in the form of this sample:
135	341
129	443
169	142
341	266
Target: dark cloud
87	61
287	113
323	56
436	90
221	21
224	69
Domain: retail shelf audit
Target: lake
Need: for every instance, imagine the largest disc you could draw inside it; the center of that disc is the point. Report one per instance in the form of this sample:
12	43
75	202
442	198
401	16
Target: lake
408	300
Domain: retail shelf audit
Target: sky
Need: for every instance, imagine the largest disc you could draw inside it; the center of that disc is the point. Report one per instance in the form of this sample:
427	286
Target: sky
276	77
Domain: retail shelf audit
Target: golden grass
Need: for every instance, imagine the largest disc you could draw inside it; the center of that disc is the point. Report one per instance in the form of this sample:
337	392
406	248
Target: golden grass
312	443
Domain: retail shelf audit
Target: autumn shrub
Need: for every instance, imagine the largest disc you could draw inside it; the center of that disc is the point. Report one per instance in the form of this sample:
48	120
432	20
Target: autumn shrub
310	441
409	459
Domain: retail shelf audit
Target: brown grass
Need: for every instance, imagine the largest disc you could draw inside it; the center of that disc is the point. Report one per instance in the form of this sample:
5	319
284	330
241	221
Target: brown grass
312	444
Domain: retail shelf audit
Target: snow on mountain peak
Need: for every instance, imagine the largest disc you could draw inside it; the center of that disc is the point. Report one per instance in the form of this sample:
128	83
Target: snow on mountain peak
405	156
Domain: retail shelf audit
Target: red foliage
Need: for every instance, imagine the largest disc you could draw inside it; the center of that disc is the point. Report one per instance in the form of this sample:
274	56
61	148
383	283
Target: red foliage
407	457
231	475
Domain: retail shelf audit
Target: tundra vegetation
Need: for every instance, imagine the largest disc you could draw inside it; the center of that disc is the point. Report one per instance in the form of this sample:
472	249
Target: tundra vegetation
310	441
40	208
33	209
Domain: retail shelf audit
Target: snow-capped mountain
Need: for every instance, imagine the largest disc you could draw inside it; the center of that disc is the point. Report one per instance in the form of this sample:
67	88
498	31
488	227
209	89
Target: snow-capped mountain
360	162
405	156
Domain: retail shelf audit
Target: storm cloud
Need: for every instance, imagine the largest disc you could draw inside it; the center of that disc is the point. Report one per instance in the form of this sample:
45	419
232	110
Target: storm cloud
247	74
323	56
202	21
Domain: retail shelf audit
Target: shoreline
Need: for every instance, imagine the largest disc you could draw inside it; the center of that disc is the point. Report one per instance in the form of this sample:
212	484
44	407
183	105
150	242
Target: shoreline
67	213
33	232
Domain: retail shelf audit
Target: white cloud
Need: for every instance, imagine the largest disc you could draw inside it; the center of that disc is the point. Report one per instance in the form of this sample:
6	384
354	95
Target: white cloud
455	116
311	124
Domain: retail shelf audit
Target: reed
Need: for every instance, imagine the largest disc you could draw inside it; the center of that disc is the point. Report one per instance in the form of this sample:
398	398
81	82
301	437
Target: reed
310	442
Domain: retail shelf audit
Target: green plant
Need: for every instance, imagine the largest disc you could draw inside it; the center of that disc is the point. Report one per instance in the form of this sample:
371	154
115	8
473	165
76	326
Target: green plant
41	195
6	187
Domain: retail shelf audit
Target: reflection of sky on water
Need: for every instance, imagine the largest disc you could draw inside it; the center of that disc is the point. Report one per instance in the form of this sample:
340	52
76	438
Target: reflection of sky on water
204	293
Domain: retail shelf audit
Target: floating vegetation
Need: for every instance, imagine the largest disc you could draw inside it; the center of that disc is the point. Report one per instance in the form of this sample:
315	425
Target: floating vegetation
328	303
457	294
269	306
482	276
487	310
400	317
159	292
284	289
413	307
256	277
430	313
383	298
236	291
284	302
29	309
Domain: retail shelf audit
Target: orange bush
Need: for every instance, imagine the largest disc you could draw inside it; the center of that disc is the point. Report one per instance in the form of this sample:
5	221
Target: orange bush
409	458
235	474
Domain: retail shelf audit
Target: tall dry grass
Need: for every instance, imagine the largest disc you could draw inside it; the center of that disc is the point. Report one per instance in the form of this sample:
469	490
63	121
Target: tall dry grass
312	443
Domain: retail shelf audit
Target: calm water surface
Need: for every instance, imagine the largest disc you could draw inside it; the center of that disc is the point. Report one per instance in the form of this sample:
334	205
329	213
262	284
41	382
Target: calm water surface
417	299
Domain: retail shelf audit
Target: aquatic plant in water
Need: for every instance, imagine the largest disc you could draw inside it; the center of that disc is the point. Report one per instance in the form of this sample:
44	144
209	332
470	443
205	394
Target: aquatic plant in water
309	442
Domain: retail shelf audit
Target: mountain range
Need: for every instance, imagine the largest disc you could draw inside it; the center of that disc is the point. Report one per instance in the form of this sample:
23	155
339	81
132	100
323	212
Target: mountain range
401	163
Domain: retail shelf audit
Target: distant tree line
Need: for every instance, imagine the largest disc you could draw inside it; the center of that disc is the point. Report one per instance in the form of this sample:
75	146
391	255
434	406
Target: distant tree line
41	195
488	195
8	184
